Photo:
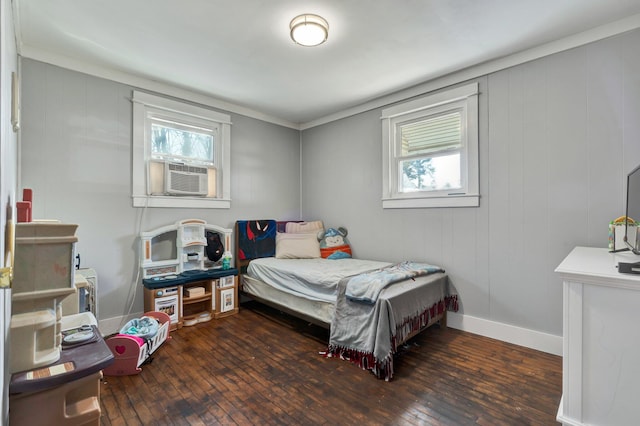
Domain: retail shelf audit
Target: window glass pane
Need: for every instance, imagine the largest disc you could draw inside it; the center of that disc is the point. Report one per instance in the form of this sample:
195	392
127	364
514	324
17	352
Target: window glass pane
433	134
181	142
431	173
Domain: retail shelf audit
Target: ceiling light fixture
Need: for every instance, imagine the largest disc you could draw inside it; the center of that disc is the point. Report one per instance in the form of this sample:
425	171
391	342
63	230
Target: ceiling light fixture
309	30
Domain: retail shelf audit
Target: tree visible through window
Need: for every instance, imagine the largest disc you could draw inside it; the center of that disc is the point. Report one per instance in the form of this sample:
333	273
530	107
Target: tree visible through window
192	143
416	172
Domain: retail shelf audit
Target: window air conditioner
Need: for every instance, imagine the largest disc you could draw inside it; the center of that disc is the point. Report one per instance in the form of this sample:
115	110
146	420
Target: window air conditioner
184	179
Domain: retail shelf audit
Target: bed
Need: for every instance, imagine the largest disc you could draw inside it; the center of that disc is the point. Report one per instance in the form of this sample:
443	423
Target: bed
370	307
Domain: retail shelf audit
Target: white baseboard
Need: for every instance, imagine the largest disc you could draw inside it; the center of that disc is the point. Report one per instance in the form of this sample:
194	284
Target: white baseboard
566	421
544	342
113	325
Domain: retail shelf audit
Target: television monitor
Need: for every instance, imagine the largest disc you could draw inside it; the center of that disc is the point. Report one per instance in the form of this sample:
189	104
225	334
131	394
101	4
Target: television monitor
633	210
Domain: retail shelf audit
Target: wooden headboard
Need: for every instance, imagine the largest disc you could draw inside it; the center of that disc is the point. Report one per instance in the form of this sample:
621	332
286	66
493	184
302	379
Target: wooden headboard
256	239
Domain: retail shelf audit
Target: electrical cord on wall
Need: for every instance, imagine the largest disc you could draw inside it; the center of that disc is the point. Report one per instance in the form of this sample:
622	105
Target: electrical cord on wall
131	295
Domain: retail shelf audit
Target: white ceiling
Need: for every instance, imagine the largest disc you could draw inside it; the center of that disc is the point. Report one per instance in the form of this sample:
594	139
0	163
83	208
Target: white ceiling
239	51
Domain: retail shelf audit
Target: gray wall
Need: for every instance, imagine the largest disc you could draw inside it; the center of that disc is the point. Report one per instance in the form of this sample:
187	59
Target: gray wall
557	137
76	156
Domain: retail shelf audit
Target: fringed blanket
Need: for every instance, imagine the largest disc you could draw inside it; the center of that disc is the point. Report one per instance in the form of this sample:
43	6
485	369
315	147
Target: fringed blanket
367	334
366	287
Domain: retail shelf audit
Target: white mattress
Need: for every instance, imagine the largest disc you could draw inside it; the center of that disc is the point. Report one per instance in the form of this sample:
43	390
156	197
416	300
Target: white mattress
313	279
315	311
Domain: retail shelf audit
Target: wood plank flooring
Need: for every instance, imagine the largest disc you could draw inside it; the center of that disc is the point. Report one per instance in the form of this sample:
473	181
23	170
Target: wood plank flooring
263	367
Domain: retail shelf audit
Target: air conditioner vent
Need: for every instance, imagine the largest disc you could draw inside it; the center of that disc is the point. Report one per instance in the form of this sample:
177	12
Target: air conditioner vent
185	179
187	168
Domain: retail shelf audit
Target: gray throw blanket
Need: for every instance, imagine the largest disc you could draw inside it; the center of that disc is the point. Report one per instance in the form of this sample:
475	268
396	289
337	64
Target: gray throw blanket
367	287
365	333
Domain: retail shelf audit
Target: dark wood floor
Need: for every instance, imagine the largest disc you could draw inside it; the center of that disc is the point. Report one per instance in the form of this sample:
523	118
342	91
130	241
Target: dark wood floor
263	367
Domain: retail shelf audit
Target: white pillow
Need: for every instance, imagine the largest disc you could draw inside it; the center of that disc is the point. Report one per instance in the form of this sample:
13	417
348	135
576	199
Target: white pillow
304	227
297	246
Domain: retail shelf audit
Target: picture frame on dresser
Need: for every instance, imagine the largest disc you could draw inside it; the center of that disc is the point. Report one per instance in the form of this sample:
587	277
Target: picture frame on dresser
227	281
227	298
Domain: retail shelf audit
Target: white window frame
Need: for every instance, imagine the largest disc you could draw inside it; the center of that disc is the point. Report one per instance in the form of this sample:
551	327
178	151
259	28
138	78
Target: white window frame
145	104
464	98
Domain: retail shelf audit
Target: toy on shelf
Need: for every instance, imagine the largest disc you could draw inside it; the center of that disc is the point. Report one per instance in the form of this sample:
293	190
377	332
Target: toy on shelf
131	351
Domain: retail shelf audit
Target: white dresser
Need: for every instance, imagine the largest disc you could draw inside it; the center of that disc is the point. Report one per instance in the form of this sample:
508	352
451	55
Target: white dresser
601	339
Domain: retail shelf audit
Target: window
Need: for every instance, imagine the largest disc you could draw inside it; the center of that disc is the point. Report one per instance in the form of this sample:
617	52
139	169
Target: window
171	140
180	154
430	151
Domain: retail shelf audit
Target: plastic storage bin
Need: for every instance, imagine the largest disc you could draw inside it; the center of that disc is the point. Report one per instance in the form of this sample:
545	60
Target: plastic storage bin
44	256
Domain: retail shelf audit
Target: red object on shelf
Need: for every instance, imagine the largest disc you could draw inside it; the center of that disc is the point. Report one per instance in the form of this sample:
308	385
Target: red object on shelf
24	211
25	207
